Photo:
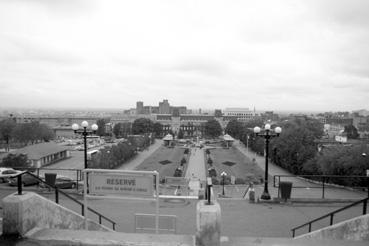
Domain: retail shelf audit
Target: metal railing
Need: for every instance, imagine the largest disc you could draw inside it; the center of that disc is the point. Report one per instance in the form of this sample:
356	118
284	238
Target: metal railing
331	215
57	191
77	173
321	181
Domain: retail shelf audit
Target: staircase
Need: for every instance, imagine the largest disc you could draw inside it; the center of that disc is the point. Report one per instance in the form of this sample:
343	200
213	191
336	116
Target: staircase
356	228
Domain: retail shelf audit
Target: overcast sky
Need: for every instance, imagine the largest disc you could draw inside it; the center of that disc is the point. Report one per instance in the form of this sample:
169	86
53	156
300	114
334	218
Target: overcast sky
275	55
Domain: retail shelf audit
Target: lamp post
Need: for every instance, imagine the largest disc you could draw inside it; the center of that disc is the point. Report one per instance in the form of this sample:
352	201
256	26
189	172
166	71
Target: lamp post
223	174
367	172
84	132
267	134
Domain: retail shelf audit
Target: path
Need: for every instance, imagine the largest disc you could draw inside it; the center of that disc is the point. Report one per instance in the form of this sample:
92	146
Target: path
308	192
196	172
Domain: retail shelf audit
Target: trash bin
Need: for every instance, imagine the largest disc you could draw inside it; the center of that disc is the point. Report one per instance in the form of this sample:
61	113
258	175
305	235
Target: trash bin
50	179
285	190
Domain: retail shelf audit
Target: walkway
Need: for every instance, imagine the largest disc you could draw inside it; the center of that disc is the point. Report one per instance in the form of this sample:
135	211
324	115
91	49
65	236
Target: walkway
196	172
308	192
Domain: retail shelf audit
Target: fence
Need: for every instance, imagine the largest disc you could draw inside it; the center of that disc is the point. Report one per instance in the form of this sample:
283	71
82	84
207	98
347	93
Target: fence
320	181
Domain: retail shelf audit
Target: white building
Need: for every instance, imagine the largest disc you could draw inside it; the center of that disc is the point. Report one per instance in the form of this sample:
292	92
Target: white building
242	114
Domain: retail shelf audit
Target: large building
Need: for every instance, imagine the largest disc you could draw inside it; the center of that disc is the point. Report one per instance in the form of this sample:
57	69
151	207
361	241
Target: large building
241	114
164	107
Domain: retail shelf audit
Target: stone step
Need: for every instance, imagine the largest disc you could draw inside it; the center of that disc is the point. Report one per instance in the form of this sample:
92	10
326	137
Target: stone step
56	237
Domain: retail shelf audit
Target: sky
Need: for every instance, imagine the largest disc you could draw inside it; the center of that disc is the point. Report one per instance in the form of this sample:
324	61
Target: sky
302	55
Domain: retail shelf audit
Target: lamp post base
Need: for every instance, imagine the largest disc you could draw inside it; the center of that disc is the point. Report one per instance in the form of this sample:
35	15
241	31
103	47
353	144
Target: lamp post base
265	196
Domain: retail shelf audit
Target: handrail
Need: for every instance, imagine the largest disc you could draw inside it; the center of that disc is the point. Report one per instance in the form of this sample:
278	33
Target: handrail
331	215
57	191
323	179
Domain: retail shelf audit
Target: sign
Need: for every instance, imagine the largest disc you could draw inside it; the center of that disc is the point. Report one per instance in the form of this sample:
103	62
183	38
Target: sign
121	184
367	172
176	181
341	139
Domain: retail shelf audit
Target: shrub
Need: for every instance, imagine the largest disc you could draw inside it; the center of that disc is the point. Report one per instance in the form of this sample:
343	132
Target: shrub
183	161
214	181
210	161
227	180
207	151
239	181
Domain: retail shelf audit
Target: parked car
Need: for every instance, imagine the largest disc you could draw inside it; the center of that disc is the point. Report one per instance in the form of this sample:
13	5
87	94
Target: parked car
6	173
63	182
27	180
79	148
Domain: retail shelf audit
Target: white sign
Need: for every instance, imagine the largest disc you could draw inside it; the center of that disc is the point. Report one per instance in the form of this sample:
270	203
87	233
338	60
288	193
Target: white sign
341	139
121	184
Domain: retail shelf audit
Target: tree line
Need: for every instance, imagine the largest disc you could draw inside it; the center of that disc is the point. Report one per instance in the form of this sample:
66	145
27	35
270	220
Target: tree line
24	133
296	149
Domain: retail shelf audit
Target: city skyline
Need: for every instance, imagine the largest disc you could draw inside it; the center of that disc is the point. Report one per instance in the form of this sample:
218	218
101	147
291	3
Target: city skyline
305	55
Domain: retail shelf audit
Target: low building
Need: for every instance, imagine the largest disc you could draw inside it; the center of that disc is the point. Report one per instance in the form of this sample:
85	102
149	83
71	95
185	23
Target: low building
44	153
241	114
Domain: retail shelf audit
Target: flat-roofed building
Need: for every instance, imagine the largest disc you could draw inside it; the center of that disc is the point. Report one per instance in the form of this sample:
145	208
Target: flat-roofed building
242	114
44	153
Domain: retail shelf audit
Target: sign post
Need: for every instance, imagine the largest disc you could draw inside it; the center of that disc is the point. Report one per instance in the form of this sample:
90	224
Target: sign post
119	184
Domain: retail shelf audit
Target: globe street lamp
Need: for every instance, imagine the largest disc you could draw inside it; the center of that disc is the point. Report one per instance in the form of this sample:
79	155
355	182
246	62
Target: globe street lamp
268	133
84	132
223	174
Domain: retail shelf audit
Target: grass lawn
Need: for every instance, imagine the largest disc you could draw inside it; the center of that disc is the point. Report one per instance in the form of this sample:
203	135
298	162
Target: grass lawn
164	160
234	163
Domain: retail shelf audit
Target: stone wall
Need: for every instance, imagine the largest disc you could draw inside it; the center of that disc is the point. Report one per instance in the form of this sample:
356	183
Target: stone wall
356	229
22	213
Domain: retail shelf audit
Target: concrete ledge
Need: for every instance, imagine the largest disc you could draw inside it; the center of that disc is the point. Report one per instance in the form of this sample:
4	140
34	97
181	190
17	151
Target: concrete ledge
356	229
22	213
272	241
51	237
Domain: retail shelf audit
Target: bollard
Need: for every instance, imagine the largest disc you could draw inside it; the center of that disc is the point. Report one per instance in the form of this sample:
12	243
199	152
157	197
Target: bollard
19	179
209	185
251	193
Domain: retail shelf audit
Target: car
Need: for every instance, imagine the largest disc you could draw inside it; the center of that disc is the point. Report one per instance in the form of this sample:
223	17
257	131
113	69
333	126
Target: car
27	180
79	148
62	182
6	173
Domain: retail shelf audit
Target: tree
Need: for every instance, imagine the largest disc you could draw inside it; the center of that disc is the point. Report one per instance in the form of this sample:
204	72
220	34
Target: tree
343	161
45	133
212	128
117	130
351	132
13	160
142	125
32	132
6	130
235	128
158	129
296	145
180	134
101	124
